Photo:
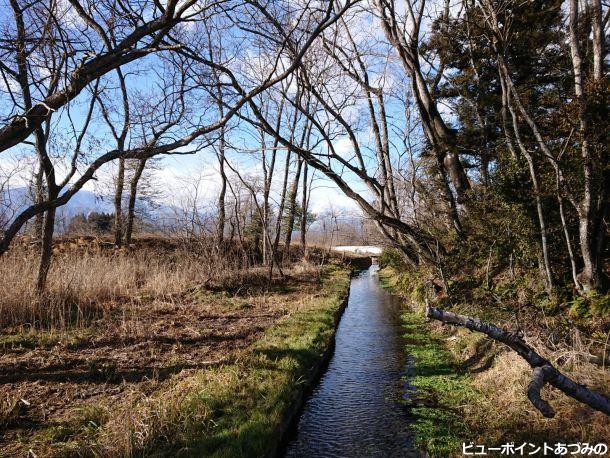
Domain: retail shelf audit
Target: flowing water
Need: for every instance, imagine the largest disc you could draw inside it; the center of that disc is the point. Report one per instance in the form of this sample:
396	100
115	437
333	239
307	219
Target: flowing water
355	410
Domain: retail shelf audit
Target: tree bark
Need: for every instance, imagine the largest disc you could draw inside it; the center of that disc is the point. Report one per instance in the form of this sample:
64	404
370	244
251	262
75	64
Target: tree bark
280	210
118	203
46	251
220	230
120	139
546	263
292	206
590	277
440	137
38	198
132	200
449	206
223	190
597	28
304	207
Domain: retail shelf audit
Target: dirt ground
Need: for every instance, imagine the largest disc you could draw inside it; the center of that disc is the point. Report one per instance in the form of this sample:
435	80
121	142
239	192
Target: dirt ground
47	379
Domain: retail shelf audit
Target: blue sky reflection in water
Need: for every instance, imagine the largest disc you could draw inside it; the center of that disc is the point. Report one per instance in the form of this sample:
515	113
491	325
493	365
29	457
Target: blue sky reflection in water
355	411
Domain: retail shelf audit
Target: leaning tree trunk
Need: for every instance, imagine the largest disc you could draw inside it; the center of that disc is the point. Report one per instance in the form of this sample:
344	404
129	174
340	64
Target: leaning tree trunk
440	137
546	263
448	203
543	370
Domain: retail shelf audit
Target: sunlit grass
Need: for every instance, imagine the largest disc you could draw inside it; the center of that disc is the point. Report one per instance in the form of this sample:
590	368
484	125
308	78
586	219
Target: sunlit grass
466	388
439	390
236	409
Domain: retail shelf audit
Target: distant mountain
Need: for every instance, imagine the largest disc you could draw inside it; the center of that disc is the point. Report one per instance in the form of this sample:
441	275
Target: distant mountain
18	199
84	202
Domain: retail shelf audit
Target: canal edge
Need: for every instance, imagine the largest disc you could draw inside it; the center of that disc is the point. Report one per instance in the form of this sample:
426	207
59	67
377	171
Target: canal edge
292	415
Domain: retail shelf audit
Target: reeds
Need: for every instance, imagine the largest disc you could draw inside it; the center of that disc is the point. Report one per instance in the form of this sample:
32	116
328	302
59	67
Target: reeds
88	280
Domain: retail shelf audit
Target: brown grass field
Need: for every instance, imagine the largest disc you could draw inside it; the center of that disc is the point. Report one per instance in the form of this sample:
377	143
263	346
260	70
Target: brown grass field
115	327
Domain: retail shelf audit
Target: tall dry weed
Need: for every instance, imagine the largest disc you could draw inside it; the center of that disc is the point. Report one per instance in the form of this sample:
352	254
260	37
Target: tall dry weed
84	284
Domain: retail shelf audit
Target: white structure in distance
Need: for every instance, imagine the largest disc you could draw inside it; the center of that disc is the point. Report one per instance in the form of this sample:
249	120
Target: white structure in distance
359	250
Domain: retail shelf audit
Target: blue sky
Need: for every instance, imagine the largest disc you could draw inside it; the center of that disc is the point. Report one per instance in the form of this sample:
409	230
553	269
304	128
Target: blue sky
175	172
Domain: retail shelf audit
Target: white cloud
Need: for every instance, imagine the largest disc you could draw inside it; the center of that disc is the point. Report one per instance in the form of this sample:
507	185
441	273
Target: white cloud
343	147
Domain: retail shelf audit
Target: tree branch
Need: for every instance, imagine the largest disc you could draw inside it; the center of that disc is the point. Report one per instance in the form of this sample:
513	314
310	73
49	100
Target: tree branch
544	372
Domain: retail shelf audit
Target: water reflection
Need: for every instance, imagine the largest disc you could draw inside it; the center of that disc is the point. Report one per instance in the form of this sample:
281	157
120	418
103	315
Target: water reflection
355	410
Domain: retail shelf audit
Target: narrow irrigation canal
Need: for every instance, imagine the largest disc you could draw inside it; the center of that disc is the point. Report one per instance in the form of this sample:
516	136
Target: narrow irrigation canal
355	410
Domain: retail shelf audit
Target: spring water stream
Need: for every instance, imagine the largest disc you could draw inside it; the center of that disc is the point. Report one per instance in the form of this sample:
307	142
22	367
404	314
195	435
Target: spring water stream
355	410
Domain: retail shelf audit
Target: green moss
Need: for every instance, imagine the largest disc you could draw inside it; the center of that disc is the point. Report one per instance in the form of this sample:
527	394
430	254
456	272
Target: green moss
595	305
578	308
439	389
406	282
600	305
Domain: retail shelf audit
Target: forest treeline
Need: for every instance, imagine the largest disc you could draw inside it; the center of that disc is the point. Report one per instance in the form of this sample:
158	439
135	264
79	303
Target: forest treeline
465	130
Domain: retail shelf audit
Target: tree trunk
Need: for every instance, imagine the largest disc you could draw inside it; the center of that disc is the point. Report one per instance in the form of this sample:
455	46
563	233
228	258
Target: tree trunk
597	28
451	216
38	198
223	190
292	206
46	252
282	205
591	275
546	263
132	200
220	230
438	134
441	138
118	203
509	94
304	208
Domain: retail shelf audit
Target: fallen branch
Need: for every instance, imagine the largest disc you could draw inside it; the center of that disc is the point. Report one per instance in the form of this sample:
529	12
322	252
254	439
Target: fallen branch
533	392
544	371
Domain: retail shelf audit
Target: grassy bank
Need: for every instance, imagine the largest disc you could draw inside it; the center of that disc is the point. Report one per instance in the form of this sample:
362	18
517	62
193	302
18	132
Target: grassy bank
468	388
439	388
239	409
174	370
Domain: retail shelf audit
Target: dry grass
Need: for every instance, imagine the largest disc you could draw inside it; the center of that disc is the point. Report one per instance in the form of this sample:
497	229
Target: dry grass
117	330
233	409
87	280
503	412
79	286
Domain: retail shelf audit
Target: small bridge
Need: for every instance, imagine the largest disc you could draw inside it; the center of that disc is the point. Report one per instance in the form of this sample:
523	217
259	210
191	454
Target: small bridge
362	252
359	250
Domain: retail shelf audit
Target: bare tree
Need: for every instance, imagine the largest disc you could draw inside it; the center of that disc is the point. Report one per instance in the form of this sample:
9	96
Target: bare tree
154	36
404	35
120	136
135	34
